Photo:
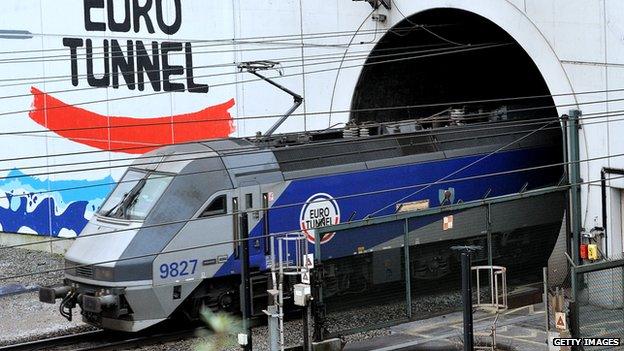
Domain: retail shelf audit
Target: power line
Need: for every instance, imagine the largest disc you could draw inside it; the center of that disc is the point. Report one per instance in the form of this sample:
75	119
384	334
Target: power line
497	125
234	41
236	72
481	176
256	80
449	207
253	150
64	78
99	55
387	108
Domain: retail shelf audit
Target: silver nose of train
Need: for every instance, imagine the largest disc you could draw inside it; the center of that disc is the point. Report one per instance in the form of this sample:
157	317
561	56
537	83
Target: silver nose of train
101	242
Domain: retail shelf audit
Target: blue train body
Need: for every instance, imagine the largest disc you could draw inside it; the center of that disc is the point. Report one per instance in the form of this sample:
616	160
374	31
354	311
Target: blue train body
176	221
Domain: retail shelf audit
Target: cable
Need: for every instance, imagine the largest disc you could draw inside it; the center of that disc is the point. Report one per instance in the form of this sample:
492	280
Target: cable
253	150
381	108
257	80
468	116
463	168
231	41
481	176
449	208
64	78
333	95
102	55
236	72
496	125
426	29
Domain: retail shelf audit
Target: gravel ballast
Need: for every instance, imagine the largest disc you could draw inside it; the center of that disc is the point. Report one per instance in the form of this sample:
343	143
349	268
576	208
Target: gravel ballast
22	316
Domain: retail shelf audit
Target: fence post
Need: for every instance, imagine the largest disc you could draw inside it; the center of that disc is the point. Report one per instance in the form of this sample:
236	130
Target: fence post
408	283
488	230
467	300
317	293
545	298
245	283
575	196
466	282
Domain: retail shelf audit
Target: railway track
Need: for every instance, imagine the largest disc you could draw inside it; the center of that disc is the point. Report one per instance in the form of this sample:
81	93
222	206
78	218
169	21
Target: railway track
101	340
56	342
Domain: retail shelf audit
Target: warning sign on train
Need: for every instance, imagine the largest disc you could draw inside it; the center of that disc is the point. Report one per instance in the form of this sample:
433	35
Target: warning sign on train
320	210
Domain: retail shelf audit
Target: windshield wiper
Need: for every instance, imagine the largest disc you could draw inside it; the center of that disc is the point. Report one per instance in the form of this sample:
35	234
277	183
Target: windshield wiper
108	213
129	197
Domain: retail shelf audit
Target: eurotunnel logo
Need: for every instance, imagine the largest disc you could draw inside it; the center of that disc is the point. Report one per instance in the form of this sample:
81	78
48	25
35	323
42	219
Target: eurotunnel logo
320	210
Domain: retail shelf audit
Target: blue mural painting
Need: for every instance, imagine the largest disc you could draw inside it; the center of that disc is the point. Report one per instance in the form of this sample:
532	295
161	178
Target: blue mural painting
49	207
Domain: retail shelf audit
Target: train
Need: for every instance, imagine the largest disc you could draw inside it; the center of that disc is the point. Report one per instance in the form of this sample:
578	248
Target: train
164	242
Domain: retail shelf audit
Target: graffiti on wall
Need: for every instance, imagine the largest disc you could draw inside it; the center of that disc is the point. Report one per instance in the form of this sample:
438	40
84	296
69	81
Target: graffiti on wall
92	58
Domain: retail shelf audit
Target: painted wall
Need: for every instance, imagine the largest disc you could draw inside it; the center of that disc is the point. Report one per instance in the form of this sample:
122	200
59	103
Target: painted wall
577	44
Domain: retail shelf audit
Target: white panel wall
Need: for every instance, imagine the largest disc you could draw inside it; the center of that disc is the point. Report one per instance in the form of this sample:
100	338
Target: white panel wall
578	45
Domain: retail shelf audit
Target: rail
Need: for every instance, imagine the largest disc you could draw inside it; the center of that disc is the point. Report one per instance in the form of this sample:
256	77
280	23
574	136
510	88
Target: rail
498	300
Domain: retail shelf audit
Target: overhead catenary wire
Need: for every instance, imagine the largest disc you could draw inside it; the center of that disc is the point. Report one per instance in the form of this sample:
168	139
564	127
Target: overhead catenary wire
69	77
478	127
253	150
237	72
100	53
346	111
481	176
446	178
495	126
15	276
467	117
463	168
251	80
234	41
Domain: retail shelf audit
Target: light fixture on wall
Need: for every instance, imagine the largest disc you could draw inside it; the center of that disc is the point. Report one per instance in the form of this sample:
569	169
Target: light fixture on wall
376	3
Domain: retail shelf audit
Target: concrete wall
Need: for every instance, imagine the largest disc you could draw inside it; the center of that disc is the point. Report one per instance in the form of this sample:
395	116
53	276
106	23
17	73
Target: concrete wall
578	45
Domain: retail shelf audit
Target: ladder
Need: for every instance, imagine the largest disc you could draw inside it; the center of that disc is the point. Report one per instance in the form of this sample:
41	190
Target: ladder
287	259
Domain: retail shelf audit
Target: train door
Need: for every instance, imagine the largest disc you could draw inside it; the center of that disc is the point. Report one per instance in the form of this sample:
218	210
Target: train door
251	202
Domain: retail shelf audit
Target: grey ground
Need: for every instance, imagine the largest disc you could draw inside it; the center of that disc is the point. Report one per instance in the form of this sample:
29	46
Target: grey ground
23	317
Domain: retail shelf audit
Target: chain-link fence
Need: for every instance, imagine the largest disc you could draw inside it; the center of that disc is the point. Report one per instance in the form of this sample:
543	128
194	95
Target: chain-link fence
599	301
369	280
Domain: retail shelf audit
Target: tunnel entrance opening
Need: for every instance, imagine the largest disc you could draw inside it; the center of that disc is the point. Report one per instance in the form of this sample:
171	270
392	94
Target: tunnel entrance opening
456	70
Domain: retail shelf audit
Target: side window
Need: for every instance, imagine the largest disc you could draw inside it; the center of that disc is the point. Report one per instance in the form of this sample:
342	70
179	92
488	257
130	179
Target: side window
216	207
248	201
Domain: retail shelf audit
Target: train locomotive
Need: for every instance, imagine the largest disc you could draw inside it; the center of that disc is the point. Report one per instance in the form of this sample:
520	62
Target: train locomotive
162	243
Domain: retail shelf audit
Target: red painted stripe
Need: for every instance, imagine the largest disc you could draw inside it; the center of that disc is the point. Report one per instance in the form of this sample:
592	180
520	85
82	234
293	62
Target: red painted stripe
92	129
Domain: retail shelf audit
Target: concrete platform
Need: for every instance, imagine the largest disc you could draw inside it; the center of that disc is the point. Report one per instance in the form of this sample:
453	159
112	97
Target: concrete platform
522	329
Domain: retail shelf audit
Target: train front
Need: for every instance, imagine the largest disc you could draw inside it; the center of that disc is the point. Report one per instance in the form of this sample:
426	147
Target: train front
109	267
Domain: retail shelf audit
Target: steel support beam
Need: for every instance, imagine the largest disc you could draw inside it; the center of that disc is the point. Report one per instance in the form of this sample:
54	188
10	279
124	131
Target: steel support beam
575	197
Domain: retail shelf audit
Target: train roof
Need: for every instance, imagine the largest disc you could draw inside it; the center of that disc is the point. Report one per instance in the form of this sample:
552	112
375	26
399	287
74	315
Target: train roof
251	161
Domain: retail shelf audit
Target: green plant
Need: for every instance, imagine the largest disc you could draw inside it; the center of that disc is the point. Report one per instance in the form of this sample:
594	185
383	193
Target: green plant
222	332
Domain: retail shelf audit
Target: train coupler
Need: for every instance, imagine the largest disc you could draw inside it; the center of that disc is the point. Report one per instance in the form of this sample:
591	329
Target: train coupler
96	304
50	295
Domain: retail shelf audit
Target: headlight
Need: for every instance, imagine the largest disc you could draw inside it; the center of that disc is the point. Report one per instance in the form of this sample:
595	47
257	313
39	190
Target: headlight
103	273
69	267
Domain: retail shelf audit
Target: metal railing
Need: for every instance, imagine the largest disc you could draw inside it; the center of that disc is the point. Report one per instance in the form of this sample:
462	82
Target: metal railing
498	300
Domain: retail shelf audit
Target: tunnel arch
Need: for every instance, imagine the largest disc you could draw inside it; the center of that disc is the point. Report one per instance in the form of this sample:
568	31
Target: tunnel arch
462	73
503	16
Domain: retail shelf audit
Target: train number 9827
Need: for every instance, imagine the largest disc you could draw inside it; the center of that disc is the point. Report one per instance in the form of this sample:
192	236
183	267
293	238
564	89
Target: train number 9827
177	269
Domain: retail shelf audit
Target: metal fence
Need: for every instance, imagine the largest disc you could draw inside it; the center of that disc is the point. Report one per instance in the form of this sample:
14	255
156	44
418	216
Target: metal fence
367	279
599	301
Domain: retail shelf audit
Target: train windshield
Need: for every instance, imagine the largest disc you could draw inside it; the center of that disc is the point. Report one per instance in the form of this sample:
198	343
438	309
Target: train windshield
135	195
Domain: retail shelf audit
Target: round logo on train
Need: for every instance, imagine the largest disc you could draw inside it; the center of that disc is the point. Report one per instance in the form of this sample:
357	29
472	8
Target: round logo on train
320	210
